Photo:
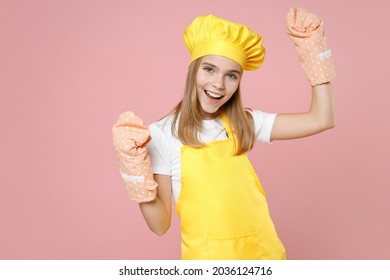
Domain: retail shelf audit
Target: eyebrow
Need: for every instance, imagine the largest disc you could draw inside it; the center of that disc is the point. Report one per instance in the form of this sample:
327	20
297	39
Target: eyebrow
215	66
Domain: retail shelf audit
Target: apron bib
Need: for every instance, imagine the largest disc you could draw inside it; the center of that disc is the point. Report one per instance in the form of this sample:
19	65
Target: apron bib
222	207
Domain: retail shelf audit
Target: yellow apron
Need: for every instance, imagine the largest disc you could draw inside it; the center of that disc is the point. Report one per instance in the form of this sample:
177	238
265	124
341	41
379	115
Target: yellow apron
222	207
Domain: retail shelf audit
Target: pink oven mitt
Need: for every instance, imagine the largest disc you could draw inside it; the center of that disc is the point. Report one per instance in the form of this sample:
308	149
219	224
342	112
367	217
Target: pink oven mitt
306	31
130	137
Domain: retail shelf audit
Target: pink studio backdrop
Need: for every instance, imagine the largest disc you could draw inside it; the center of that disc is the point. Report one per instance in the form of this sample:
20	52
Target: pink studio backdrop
69	68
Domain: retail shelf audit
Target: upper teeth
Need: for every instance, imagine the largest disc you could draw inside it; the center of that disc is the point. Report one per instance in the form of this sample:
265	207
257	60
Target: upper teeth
212	94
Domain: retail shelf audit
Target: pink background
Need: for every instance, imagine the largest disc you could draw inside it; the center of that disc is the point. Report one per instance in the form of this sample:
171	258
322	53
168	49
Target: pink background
69	68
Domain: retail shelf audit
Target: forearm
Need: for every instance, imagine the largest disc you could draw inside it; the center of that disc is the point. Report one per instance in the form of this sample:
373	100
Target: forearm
156	216
322	107
157	213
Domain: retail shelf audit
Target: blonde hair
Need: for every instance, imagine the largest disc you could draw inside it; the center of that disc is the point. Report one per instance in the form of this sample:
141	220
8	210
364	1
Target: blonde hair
187	121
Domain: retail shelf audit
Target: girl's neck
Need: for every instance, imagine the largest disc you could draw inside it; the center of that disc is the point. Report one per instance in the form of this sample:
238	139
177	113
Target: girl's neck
208	116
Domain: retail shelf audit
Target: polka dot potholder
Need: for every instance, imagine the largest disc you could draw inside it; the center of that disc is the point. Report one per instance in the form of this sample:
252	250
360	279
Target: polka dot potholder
130	136
306	31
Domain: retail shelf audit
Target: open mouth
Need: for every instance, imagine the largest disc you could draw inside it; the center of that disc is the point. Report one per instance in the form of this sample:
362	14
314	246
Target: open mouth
213	95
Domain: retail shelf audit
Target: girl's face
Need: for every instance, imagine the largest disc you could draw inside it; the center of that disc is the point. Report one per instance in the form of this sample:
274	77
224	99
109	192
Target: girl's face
217	80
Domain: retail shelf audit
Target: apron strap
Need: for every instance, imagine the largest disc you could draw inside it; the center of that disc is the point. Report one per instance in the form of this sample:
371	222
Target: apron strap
226	124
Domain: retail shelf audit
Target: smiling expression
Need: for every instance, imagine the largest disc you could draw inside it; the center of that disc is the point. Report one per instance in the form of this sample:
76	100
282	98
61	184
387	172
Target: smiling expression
217	80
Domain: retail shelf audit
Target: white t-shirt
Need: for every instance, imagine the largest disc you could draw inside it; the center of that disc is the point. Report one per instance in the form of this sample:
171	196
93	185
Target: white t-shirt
164	149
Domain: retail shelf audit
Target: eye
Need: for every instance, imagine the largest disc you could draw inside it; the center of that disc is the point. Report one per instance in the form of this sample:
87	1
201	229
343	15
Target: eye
208	69
232	76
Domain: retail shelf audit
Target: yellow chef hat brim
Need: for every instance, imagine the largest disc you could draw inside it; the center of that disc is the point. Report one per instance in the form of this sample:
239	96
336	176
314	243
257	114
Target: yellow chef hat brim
219	48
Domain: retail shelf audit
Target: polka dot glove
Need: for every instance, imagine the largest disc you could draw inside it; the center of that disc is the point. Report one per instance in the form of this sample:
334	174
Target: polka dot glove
130	137
307	33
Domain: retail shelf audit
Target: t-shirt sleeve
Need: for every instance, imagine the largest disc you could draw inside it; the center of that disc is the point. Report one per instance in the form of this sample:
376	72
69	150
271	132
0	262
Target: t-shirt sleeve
263	125
157	150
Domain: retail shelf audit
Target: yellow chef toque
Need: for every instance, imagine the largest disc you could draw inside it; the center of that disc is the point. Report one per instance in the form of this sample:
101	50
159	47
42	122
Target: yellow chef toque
212	35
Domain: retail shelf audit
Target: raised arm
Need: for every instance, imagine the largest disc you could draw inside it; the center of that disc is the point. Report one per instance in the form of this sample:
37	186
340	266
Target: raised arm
152	192
307	33
320	117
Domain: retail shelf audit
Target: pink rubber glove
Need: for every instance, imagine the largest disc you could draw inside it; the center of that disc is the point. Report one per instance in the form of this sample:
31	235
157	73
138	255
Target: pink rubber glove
306	31
130	137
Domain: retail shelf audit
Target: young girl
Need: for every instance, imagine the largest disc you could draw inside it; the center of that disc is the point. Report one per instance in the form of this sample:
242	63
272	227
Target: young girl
198	152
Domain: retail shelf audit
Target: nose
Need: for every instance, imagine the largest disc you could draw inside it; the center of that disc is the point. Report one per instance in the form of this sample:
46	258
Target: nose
219	82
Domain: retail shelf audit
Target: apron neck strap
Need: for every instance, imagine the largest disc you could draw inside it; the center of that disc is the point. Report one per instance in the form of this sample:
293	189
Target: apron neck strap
226	124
